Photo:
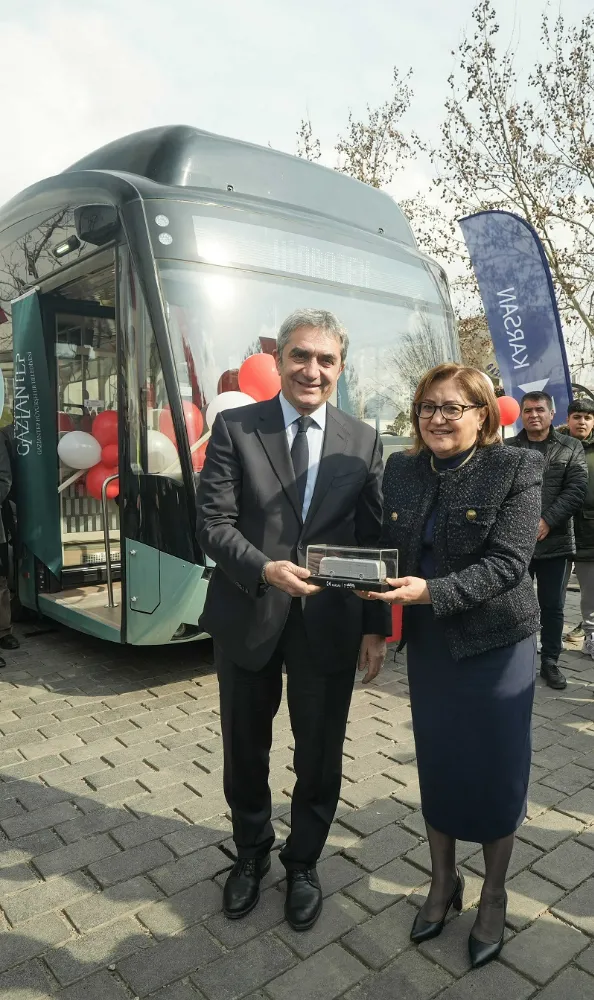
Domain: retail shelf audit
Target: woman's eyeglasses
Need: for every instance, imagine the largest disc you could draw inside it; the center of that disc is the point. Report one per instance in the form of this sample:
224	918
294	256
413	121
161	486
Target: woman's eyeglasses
449	411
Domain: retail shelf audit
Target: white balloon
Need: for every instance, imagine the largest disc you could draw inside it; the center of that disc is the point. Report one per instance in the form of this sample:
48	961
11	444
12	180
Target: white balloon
226	401
487	379
79	450
161	452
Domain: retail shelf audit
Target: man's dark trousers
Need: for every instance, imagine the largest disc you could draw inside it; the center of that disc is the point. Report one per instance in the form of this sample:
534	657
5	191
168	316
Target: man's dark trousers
550	587
318	708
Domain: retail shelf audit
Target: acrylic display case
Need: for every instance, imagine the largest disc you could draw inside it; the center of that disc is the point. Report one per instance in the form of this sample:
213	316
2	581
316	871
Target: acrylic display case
349	568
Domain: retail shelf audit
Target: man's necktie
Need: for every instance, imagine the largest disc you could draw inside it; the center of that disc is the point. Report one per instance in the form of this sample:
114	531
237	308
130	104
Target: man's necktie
300	456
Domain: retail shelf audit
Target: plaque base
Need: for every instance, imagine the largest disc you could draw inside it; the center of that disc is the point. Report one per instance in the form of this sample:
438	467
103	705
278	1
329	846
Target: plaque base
342	583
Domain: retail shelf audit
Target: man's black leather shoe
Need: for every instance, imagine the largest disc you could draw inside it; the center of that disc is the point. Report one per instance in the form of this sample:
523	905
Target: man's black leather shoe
304	898
242	888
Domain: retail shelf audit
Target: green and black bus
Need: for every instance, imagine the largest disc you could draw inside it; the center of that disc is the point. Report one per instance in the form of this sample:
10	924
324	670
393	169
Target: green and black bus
133	286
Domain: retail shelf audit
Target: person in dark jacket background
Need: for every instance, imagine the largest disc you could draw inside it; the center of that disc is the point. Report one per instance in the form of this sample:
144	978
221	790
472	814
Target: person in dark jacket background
580	425
463	513
565	481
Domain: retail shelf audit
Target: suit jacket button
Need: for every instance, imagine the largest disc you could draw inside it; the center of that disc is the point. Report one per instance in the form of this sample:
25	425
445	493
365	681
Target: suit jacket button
394	515
471	515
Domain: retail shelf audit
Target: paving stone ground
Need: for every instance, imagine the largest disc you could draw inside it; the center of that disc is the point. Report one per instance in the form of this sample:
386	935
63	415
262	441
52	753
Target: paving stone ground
115	841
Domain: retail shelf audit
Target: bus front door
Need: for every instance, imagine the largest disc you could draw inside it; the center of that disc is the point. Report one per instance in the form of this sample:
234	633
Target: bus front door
80	330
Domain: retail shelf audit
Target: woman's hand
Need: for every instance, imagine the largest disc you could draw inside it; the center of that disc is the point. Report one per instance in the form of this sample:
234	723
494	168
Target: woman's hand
407	590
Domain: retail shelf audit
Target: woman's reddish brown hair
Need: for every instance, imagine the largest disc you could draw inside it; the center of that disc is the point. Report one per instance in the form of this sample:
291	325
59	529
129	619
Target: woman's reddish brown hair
473	385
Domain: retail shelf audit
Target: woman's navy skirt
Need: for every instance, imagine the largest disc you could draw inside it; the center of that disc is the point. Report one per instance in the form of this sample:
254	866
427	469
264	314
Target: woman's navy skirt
471	722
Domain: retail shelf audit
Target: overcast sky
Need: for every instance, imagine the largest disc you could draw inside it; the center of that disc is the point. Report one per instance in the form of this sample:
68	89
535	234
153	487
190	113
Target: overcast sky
75	74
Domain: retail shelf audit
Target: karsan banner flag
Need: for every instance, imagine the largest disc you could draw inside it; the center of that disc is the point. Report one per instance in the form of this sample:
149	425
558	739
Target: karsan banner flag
519	300
35	436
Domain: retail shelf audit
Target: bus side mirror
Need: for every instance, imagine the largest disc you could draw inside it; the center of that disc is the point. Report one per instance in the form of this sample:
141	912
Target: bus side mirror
96	224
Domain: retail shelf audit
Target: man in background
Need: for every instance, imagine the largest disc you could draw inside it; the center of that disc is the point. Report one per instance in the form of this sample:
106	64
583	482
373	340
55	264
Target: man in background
564	485
580	425
7	524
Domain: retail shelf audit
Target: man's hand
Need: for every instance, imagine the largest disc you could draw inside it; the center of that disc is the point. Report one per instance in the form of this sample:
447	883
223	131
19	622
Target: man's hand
371	656
291	578
543	530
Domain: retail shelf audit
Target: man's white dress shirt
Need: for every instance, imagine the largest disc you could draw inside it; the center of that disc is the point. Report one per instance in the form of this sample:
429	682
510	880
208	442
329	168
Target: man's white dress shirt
315	441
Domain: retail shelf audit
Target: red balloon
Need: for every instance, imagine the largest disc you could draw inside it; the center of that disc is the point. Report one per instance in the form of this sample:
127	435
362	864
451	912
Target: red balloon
109	455
166	425
113	489
509	410
86	423
65	422
198	457
194	423
229	381
105	427
259	378
95	478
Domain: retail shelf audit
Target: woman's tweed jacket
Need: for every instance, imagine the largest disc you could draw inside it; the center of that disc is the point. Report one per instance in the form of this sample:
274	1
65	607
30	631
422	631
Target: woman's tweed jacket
485	533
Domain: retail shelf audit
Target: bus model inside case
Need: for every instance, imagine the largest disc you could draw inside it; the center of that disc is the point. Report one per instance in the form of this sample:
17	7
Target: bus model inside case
352	569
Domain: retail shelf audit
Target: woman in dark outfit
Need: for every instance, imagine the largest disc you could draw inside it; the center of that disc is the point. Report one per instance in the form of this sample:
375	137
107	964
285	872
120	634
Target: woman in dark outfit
463	512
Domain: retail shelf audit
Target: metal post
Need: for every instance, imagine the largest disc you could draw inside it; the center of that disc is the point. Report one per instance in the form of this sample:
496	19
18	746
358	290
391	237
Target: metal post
110	601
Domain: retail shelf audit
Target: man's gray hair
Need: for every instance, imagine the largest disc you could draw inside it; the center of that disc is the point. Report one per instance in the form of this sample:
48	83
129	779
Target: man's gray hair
321	319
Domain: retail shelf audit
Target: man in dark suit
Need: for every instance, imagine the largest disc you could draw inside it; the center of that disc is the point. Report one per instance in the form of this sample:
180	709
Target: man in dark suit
279	476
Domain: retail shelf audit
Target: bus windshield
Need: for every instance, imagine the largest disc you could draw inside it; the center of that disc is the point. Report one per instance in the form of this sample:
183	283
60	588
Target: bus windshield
219	316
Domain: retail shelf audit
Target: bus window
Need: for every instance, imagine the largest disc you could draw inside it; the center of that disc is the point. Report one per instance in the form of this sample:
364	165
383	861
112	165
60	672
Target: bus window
217	317
151	436
6	361
6	374
86	384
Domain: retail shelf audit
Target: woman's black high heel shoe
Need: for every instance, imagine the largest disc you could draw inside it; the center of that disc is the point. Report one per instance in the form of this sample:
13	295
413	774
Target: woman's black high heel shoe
424	930
480	952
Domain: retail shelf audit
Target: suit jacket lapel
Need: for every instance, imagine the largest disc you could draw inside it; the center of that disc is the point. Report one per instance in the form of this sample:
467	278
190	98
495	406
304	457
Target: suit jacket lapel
335	440
273	436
